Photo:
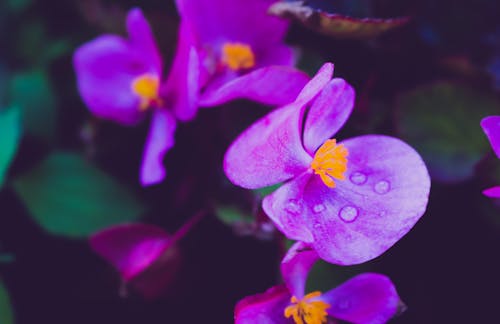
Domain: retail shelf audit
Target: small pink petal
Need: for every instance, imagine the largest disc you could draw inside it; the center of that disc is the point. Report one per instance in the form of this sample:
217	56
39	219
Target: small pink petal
493	192
266	308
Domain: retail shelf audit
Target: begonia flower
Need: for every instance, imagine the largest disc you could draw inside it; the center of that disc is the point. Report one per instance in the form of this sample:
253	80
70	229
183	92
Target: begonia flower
230	49
349	200
491	127
368	298
144	255
119	80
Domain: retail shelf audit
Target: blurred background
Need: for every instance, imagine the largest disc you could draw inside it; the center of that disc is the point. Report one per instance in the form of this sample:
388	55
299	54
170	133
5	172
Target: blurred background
424	71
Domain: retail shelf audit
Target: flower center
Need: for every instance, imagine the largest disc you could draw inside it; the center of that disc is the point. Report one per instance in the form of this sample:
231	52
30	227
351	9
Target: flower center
146	87
330	162
238	56
308	311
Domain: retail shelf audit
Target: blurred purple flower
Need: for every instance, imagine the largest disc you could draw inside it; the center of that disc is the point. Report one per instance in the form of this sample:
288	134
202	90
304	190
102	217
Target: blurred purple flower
119	79
230	49
350	201
491	127
368	298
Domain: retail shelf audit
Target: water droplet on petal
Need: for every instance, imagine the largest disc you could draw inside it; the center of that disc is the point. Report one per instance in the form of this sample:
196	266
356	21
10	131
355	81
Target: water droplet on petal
319	208
348	214
382	187
358	178
292	206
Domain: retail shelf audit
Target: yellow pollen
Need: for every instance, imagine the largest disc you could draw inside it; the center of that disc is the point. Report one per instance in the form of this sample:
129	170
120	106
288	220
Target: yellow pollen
238	56
330	162
307	310
146	87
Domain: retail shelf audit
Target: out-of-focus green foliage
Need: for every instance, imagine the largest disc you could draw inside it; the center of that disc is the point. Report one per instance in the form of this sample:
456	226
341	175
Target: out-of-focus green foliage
6	315
18	5
441	121
68	196
10	132
32	92
230	215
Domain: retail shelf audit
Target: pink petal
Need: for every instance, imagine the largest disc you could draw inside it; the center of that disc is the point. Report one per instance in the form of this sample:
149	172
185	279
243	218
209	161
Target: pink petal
385	194
266	308
491	127
130	248
493	192
328	113
367	298
268	152
316	84
273	85
182	87
295	268
159	141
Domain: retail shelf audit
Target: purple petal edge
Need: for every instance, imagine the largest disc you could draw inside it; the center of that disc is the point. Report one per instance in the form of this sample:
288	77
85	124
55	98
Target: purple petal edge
491	127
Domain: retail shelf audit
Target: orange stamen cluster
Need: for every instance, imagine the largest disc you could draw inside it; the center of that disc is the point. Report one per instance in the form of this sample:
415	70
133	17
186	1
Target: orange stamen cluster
307	310
146	87
238	56
330	162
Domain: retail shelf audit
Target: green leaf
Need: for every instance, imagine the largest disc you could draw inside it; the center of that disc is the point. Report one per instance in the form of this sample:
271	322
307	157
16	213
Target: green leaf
231	215
10	133
32	92
441	121
6	315
68	196
333	24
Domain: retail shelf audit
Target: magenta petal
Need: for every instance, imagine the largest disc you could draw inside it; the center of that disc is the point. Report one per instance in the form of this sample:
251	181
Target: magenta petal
183	84
385	194
215	21
491	127
159	141
328	113
493	192
296	266
130	248
268	152
316	84
368	298
142	38
266	308
273	85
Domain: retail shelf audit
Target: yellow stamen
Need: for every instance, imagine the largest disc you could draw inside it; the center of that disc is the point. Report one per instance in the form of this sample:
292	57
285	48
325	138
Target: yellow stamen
238	56
146	87
307	310
330	162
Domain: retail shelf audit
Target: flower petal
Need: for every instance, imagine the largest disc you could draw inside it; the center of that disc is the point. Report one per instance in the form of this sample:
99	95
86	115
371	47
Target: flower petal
142	38
491	127
493	192
159	141
367	298
183	84
265	308
216	21
317	83
328	113
130	248
385	195
106	67
268	152
296	266
273	85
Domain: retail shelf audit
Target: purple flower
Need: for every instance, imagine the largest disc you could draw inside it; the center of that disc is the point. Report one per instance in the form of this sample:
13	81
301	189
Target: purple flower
491	127
144	255
368	298
230	49
351	200
119	79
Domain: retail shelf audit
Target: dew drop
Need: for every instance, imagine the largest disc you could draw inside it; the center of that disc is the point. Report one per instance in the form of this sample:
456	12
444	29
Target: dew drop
319	208
293	207
348	214
382	187
358	178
